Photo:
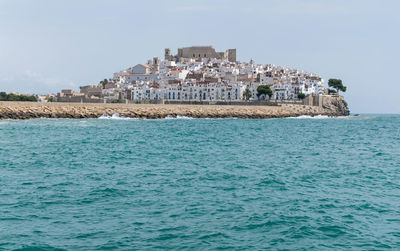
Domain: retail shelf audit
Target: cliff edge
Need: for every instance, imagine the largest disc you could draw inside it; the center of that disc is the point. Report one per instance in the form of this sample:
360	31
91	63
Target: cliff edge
336	104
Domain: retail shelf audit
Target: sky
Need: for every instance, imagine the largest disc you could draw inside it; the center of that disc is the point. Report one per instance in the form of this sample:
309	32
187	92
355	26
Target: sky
49	45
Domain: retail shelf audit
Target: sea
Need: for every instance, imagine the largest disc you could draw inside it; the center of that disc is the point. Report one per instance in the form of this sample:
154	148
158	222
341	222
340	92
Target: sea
307	183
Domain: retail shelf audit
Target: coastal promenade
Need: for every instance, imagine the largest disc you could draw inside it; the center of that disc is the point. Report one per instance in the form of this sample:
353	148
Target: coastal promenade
29	110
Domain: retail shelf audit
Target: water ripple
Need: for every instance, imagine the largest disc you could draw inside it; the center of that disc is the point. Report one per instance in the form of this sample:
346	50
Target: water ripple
120	184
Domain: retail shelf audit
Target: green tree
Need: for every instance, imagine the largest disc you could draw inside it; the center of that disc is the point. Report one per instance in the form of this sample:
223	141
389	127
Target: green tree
3	96
301	96
13	97
337	84
331	91
104	82
247	94
31	98
264	90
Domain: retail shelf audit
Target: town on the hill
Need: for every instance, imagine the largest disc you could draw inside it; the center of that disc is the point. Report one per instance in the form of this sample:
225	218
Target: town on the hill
200	74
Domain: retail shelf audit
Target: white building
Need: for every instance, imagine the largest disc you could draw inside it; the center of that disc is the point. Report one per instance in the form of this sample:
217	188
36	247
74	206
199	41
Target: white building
210	79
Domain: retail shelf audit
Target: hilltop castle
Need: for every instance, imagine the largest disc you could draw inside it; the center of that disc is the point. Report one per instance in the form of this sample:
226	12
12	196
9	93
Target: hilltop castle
200	52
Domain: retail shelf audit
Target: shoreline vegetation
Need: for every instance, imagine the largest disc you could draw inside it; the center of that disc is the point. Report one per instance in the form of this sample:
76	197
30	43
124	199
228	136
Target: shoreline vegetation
16	97
31	110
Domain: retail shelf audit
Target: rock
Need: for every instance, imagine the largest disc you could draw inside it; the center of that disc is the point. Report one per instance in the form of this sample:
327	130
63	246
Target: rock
23	110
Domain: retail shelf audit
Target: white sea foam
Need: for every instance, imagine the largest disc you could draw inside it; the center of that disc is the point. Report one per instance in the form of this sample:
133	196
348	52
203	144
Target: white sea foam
311	117
178	117
321	117
115	116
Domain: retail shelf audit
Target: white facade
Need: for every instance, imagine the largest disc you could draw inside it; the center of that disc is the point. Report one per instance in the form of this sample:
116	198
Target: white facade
211	79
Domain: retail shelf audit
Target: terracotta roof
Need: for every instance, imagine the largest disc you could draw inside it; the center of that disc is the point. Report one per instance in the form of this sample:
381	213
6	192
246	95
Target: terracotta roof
133	74
145	65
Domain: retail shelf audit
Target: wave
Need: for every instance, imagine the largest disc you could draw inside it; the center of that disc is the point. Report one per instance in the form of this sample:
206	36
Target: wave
115	116
311	117
351	117
318	117
178	117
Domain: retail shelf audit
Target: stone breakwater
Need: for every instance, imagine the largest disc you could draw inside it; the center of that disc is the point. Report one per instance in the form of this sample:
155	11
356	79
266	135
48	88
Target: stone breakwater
29	110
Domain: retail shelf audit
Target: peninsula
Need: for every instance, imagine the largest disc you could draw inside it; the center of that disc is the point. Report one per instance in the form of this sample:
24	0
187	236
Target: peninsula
197	82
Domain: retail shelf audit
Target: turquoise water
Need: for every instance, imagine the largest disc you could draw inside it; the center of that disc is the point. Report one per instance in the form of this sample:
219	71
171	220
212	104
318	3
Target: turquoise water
101	184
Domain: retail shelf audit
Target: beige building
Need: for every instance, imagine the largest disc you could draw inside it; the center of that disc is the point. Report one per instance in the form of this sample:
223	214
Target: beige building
91	90
200	52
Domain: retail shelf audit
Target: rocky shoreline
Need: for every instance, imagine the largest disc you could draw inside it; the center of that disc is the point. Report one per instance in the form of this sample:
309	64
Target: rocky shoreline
31	110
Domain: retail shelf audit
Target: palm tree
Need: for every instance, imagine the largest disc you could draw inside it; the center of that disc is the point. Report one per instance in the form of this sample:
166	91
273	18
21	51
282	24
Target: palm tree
247	94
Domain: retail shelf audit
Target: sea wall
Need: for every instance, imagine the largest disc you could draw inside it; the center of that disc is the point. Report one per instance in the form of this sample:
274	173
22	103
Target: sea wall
27	110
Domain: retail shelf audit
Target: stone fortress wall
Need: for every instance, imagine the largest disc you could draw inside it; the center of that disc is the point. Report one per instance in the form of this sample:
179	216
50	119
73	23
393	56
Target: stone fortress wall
199	52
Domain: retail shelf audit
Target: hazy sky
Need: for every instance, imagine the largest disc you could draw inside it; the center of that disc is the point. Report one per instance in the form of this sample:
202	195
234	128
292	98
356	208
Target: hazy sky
47	45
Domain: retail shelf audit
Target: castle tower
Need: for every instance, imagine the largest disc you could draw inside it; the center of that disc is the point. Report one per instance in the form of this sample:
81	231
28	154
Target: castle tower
156	63
232	55
167	55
